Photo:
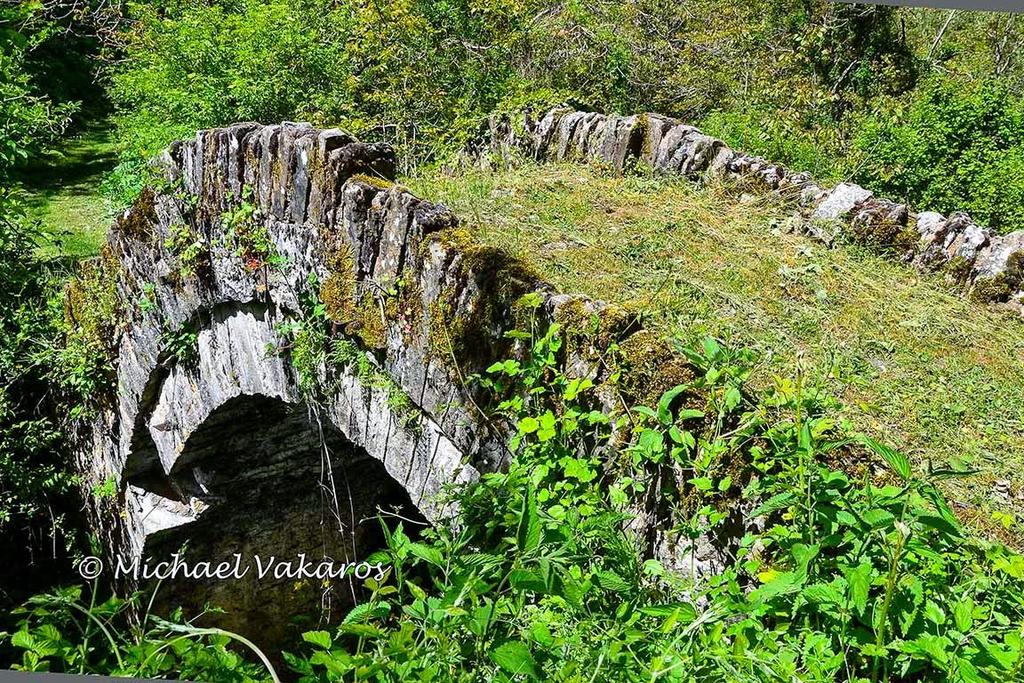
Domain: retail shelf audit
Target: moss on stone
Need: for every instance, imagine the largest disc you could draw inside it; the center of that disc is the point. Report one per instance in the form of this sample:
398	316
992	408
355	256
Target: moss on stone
370	324
649	368
373	181
352	304
588	332
137	223
1002	286
468	330
338	294
407	308
643	128
991	289
958	268
94	318
1015	268
884	233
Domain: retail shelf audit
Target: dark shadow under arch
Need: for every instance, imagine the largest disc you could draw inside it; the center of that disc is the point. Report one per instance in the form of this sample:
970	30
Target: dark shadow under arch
259	471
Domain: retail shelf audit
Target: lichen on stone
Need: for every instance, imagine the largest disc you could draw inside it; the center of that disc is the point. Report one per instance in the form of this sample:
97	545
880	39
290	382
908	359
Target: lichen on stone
466	330
1001	287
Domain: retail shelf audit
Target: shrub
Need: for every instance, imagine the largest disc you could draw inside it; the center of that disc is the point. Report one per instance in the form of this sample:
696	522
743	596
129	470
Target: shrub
66	631
853	576
36	487
955	145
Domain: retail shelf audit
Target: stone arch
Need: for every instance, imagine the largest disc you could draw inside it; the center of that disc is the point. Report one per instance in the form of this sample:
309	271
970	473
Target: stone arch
263	479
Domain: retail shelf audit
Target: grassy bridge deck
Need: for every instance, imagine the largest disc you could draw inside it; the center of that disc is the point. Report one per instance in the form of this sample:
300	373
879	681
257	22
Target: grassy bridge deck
913	364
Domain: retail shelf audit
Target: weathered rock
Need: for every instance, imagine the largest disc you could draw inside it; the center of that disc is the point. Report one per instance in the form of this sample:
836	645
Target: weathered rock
827	220
998	269
883	224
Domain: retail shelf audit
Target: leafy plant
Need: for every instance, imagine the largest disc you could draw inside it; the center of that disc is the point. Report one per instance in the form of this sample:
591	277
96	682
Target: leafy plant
190	247
851	574
245	233
181	344
68	632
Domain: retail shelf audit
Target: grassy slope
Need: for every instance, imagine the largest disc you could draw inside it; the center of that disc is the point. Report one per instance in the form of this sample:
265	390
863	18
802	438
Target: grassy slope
63	193
914	364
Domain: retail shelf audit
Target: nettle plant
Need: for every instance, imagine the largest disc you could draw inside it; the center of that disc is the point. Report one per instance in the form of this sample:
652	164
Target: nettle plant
70	630
856	569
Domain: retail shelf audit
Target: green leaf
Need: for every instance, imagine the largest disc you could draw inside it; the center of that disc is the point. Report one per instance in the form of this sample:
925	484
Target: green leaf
934	613
877	518
547	426
822	594
427	554
859	585
528	425
784	583
702	483
963	615
611	581
968	672
644	410
682	611
23	639
527	580
711	348
319	638
779	501
665	404
929	648
361	630
514	658
652	441
896	460
528	532
361	612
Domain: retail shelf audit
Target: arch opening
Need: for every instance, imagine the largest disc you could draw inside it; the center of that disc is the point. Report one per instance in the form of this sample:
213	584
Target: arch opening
277	493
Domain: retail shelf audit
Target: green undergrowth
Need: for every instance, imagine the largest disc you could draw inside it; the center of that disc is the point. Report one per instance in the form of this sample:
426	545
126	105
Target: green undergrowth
854	576
913	362
859	570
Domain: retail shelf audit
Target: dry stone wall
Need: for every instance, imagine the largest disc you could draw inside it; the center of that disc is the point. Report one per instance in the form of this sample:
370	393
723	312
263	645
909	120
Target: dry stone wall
988	266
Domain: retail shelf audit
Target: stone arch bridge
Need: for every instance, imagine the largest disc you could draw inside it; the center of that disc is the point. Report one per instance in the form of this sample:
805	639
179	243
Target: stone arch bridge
257	236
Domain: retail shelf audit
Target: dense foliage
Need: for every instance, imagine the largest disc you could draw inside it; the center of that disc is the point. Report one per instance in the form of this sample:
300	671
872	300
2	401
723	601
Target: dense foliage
918	104
851	575
957	146
35	482
36	487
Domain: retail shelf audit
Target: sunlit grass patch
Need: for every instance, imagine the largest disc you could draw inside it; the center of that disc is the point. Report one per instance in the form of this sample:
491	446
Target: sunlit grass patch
64	194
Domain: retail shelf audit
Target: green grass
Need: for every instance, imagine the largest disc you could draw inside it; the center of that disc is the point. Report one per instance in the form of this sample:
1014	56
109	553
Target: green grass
63	191
913	363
